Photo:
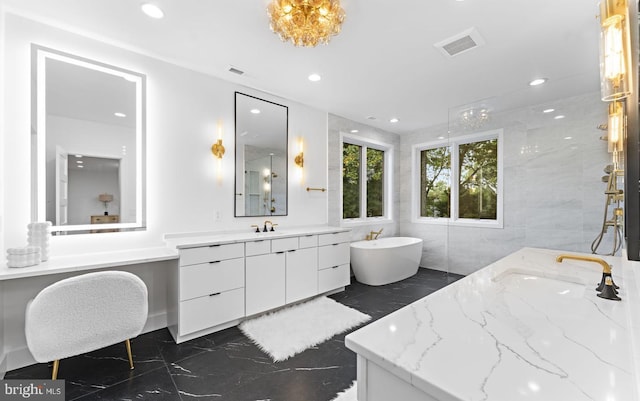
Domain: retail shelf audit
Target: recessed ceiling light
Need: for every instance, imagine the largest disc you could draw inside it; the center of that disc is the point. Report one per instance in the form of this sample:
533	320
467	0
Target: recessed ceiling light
393	120
255	111
78	156
558	117
152	10
314	77
79	161
568	137
440	137
121	115
353	131
80	166
548	110
538	81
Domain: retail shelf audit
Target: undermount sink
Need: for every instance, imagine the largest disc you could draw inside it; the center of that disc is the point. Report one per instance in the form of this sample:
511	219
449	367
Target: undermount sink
531	284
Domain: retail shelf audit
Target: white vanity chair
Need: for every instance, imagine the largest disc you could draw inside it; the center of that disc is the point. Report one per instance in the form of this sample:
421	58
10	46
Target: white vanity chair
85	313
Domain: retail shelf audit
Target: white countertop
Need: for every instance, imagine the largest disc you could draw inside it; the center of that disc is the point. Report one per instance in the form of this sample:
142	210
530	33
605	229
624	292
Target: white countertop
523	328
89	261
192	240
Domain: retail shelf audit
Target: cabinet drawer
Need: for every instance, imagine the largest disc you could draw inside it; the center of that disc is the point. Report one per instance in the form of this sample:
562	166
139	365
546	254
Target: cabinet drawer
308	241
284	244
334	238
208	278
259	247
333	255
332	278
210	253
208	311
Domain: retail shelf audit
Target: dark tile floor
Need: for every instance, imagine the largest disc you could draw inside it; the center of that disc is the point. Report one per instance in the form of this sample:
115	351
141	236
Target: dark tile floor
226	365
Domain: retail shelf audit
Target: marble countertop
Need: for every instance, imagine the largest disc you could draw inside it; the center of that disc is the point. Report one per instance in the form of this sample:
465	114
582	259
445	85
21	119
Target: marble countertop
89	261
524	327
192	240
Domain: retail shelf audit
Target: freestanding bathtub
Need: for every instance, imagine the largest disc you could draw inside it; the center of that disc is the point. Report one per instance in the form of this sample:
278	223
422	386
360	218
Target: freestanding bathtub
385	260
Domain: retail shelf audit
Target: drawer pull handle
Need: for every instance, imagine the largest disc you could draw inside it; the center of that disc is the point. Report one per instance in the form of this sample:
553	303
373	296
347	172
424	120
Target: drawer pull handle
335	267
260	240
213	246
214	294
292	250
309	235
215	261
335	244
278	253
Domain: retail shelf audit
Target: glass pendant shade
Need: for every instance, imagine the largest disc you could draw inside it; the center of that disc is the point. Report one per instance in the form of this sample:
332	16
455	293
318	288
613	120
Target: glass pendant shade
615	79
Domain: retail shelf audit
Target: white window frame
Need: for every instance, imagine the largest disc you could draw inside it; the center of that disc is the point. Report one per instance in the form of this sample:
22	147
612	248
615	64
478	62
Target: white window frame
388	180
454	144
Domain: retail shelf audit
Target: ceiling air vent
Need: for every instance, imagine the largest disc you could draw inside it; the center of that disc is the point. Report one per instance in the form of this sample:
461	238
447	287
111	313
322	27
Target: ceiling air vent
235	70
460	43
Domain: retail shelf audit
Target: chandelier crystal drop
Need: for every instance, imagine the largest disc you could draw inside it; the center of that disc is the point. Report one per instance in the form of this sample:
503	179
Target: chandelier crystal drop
306	22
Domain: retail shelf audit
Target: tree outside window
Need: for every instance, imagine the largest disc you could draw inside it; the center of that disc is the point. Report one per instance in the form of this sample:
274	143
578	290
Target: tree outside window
475	175
360	195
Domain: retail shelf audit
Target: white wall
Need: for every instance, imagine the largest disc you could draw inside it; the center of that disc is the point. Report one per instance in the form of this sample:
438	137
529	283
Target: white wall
553	193
184	193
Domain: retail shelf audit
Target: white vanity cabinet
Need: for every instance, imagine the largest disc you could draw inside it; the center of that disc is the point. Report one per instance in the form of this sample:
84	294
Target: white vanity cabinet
216	286
265	282
210	286
333	261
302	270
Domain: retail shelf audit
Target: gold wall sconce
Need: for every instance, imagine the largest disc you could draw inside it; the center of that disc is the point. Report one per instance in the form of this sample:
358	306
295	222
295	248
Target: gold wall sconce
299	159
615	51
217	148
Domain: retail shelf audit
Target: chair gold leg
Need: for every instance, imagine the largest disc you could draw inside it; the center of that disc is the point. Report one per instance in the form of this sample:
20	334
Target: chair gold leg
128	344
56	365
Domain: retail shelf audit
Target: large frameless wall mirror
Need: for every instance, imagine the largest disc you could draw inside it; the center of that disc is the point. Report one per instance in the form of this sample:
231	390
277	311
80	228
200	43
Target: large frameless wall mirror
261	157
88	137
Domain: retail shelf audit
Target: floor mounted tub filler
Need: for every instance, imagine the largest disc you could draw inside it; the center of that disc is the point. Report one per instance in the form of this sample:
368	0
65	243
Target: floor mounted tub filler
385	260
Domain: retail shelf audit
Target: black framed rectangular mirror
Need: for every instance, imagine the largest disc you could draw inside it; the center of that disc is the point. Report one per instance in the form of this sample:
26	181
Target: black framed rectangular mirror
88	141
261	182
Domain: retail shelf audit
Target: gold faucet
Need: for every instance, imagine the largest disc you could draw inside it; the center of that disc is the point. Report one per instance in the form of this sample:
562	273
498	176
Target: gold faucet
373	235
606	268
607	288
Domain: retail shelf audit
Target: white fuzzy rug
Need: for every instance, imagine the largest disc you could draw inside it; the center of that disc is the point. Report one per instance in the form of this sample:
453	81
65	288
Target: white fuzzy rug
350	394
289	331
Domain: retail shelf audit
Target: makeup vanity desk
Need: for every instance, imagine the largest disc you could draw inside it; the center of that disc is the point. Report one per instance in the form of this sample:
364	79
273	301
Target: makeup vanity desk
19	285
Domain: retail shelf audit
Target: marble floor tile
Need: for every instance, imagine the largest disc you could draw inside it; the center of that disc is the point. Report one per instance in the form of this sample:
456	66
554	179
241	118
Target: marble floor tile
226	365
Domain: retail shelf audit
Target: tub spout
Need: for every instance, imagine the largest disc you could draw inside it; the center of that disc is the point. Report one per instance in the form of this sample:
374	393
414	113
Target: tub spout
373	235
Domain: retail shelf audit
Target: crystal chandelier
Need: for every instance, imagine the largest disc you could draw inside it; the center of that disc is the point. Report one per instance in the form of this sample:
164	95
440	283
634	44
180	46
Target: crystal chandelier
474	118
306	22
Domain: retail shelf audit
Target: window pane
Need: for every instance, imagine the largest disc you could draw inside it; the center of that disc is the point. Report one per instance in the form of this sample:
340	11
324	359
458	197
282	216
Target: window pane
375	182
351	181
435	182
478	184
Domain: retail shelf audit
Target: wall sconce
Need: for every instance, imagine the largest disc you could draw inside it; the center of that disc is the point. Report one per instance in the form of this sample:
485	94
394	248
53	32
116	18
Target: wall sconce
615	79
217	148
616	127
299	160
